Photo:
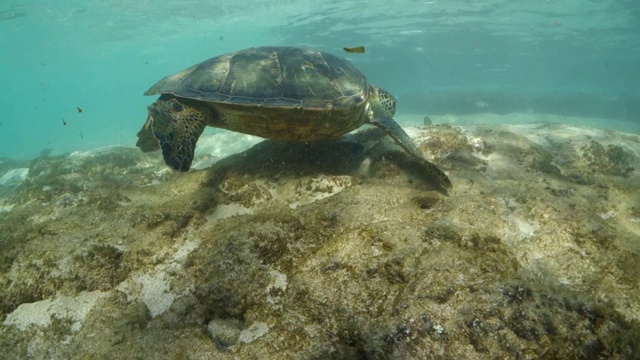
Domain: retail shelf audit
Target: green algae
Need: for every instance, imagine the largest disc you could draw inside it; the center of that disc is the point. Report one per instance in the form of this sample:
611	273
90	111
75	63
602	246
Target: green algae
610	160
384	268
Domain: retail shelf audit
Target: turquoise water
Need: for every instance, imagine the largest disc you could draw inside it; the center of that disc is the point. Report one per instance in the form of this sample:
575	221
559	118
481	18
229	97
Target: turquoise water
353	248
437	57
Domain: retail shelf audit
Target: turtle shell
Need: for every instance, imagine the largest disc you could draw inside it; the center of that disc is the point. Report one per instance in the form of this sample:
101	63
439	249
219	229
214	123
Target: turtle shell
272	77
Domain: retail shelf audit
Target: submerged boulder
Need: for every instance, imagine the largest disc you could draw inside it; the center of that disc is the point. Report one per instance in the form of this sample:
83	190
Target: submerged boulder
332	250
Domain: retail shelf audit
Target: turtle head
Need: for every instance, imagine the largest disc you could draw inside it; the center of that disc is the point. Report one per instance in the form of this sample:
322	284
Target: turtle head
383	104
176	124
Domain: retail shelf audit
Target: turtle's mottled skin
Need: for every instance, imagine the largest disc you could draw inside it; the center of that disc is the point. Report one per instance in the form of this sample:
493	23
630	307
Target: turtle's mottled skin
280	93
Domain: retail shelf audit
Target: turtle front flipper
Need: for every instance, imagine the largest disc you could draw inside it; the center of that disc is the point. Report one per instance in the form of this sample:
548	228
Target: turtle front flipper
177	127
396	132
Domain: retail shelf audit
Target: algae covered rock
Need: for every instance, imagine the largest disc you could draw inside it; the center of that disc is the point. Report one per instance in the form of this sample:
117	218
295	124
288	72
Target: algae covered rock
331	251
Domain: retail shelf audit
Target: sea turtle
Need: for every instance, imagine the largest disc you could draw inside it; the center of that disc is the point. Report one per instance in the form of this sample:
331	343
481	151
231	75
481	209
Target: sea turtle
275	92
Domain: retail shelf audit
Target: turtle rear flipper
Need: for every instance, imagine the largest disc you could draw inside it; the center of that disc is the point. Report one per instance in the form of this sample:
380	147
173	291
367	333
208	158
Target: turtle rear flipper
177	128
396	132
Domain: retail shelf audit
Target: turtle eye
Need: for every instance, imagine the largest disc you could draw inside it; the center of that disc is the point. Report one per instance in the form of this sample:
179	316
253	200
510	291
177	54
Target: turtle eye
176	106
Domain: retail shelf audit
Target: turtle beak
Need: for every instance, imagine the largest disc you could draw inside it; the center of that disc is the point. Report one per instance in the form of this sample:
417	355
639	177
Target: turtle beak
162	117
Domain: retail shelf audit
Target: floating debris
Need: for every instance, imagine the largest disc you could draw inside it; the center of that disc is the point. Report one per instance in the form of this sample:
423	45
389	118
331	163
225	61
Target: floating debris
357	49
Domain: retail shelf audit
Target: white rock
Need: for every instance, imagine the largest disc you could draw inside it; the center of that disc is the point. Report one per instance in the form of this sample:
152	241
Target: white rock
14	177
253	332
39	313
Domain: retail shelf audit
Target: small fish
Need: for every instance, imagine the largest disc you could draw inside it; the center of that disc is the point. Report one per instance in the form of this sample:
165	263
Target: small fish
79	109
64	122
357	49
81	136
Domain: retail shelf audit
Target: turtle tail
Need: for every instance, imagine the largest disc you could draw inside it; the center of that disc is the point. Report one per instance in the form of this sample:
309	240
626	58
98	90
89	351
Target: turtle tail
176	127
